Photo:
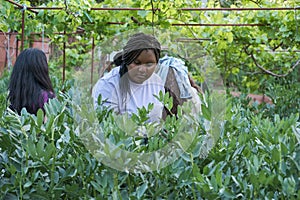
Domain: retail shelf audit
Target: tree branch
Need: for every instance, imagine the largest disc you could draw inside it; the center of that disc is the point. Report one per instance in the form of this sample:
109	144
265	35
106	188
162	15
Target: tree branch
271	73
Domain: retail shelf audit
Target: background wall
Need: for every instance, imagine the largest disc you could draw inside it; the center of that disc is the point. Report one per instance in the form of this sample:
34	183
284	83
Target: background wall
10	47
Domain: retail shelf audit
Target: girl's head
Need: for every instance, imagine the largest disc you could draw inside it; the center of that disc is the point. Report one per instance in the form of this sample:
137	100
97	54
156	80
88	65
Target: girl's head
142	67
139	57
29	78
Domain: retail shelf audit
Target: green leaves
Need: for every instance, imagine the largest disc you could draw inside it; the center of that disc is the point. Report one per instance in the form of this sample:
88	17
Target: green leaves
256	157
141	190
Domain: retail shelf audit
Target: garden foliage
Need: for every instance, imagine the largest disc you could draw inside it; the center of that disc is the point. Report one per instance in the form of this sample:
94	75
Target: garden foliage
255	153
256	156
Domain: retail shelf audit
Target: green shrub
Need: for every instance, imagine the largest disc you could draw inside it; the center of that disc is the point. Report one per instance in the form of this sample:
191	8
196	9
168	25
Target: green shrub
3	91
257	156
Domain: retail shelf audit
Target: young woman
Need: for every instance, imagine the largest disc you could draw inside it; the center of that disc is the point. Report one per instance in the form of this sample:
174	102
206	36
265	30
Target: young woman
133	84
30	85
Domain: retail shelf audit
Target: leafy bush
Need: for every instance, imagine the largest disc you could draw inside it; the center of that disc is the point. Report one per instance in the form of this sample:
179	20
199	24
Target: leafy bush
286	95
3	91
256	157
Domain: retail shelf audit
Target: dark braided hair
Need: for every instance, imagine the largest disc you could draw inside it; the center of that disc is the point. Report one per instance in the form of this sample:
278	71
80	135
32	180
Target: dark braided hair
135	45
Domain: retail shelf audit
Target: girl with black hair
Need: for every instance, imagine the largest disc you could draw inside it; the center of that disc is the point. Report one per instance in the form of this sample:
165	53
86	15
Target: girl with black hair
133	84
30	86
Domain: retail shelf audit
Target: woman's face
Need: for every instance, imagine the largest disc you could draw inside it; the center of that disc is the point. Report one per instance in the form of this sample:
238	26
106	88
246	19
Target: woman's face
142	67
